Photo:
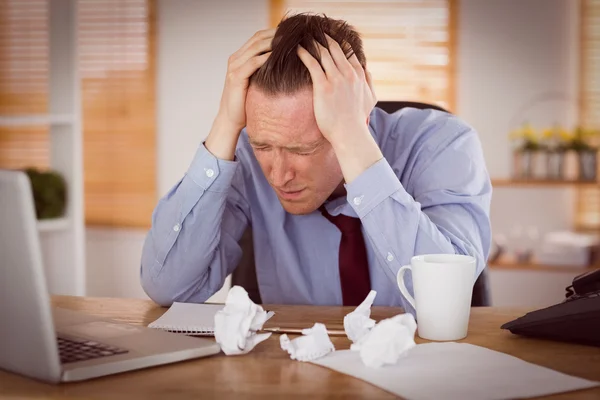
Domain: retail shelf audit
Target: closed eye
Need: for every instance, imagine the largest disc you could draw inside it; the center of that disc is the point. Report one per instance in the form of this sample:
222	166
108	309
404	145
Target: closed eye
303	152
263	148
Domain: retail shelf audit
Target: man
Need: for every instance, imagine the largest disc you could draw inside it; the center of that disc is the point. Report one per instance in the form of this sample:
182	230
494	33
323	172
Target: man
339	194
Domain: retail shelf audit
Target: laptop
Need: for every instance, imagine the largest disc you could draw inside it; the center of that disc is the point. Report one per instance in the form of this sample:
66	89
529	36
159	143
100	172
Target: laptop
58	345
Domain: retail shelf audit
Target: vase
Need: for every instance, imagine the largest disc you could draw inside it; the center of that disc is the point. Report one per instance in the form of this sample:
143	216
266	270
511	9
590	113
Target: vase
571	165
539	161
588	165
554	165
523	164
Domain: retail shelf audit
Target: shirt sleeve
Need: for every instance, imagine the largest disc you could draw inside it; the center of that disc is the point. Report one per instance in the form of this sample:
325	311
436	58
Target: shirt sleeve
446	207
192	245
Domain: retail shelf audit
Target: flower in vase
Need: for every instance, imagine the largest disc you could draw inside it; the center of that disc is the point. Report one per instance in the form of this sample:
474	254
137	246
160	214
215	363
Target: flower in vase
525	138
555	138
565	135
584	140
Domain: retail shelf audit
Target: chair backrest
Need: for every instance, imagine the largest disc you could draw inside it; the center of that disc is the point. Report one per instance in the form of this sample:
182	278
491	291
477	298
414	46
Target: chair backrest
393	106
245	273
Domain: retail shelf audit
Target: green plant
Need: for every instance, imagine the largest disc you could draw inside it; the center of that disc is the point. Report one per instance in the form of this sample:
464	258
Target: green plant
49	193
525	138
583	140
556	139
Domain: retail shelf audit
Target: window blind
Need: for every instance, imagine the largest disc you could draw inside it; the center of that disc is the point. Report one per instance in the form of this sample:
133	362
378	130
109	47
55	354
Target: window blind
588	199
590	64
116	41
116	60
409	44
24	57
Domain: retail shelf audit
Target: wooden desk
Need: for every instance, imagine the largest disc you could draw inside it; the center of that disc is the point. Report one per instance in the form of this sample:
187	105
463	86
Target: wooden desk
268	372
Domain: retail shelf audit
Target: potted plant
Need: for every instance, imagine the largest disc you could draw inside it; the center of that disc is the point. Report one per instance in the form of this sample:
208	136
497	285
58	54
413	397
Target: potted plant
584	143
526	148
49	193
555	142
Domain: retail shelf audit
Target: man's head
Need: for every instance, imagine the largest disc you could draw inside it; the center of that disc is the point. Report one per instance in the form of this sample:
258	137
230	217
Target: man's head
297	160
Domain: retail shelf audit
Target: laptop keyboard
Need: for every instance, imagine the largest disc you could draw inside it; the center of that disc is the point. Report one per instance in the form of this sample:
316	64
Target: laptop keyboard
73	350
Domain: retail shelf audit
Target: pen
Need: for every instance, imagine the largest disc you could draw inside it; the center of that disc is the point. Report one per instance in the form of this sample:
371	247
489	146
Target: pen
331	332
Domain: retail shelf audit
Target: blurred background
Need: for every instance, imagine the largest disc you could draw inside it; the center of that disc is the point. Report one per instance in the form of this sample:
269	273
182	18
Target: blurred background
104	103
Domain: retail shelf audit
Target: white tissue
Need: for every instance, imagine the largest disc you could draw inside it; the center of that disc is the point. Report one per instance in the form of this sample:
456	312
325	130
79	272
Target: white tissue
314	343
358	323
237	323
387	341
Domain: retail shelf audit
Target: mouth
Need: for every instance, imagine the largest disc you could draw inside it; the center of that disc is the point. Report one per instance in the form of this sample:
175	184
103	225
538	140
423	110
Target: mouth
290	194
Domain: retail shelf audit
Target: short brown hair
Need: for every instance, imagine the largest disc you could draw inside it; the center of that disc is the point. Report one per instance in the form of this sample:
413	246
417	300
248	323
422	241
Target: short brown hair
284	72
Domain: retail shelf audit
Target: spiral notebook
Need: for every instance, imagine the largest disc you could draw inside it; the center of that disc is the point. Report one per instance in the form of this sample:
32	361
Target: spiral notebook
189	318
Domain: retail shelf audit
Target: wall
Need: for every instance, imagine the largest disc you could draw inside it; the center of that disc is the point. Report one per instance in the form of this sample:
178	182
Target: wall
113	261
509	52
195	39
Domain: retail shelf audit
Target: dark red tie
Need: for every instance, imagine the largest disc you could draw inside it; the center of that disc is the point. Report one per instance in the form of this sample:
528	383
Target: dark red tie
354	266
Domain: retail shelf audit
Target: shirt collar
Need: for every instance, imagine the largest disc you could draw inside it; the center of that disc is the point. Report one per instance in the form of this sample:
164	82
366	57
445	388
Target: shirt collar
340	206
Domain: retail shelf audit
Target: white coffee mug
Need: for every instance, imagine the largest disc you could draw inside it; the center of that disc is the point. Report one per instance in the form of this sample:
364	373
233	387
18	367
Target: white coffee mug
443	286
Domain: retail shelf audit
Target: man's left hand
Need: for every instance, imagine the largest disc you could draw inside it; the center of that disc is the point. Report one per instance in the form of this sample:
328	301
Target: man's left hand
343	98
342	94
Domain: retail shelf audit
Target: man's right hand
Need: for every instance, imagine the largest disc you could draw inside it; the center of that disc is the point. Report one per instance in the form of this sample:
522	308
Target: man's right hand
231	118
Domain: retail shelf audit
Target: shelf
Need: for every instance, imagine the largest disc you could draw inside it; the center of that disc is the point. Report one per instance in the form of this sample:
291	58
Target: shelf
53	225
503	182
508	264
29	120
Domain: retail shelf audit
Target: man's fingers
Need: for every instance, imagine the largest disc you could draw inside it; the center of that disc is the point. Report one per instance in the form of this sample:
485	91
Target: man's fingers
338	56
327	61
356	65
261	46
257	37
314	68
370	83
362	72
369	79
250	66
257	48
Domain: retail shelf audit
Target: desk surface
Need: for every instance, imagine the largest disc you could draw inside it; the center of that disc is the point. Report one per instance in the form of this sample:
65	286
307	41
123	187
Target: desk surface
268	372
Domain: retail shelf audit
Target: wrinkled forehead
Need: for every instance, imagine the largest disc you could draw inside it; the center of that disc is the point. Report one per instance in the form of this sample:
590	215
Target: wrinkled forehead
281	118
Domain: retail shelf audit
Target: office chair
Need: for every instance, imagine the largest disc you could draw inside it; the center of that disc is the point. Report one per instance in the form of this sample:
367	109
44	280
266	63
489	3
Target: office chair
245	273
393	106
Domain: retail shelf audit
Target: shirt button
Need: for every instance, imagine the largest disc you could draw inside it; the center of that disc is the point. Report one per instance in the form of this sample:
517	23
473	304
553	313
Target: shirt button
176	228
210	173
390	257
357	201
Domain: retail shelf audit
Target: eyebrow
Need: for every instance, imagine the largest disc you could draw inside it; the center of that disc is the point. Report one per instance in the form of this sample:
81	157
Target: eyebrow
255	143
309	146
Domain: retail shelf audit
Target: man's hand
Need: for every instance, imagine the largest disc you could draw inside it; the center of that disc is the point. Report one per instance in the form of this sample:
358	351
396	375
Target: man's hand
342	95
343	98
231	118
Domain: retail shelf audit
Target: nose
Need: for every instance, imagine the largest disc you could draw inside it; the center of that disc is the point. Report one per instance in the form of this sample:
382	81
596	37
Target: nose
281	171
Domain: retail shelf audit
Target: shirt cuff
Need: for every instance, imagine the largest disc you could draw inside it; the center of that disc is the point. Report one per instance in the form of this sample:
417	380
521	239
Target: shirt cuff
374	185
208	171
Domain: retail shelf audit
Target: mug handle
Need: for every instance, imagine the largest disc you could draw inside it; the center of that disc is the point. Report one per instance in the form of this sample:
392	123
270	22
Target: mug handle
402	286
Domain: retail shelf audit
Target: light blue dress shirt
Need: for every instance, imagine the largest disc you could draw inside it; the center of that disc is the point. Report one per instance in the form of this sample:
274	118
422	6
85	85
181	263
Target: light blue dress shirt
430	193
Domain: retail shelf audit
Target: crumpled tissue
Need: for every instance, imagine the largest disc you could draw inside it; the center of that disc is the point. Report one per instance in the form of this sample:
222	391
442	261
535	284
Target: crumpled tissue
314	343
236	325
358	323
388	340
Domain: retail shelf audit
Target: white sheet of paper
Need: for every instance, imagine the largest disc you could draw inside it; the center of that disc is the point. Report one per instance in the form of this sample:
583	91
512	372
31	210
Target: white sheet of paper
457	371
